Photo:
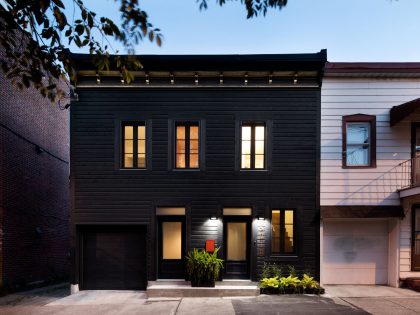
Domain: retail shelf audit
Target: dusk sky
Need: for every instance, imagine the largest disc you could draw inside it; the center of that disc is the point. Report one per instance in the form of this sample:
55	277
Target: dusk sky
357	30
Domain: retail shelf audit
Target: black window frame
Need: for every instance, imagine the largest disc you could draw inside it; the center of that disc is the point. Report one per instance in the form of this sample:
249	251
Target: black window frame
135	125
359	118
281	251
253	124
187	124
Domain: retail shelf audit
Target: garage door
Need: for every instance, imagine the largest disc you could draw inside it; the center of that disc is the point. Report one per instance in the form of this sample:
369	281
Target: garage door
355	252
114	258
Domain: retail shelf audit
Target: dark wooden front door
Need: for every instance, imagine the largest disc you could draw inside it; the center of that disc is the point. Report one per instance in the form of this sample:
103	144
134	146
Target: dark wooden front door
114	258
171	247
237	239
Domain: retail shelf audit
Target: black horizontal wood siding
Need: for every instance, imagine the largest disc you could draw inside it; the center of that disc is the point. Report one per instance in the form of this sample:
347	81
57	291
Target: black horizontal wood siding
105	194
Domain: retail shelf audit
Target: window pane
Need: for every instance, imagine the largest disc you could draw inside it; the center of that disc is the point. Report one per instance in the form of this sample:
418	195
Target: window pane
128	160
275	231
259	132
141	160
194	132
259	161
180	161
193	146
141	146
358	133
180	132
171	240
236	241
246	132
246	161
128	132
288	234
357	155
193	160
128	146
417	220
259	147
180	146
141	132
246	147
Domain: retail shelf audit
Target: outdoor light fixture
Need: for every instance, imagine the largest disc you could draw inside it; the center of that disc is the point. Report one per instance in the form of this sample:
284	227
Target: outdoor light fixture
270	79
261	218
147	79
196	79
246	78
98	79
172	79
213	217
221	78
295	80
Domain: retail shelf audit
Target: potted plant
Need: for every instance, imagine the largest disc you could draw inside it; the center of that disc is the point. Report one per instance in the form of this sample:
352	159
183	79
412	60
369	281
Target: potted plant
203	268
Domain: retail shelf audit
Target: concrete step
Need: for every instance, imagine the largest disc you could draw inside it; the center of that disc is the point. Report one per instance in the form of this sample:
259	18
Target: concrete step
184	289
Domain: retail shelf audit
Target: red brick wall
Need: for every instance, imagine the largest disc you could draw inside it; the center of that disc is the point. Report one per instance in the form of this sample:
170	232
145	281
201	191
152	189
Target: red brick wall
34	187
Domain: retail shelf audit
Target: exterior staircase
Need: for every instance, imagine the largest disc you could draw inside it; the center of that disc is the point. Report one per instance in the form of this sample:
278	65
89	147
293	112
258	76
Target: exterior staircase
227	288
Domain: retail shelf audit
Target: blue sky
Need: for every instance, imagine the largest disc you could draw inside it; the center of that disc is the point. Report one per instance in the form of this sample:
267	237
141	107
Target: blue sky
356	30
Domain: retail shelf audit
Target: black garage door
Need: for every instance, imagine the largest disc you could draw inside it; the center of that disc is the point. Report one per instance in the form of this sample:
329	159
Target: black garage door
114	258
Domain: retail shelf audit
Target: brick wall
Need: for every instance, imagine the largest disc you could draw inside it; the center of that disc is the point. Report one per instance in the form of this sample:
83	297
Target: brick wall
34	187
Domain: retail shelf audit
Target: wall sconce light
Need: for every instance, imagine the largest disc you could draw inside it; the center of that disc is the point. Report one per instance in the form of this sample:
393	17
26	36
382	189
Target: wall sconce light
261	218
246	78
98	79
147	79
196	79
221	78
213	217
172	79
295	80
270	79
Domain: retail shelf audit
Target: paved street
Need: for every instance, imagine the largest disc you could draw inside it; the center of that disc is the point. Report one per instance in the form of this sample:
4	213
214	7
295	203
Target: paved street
337	300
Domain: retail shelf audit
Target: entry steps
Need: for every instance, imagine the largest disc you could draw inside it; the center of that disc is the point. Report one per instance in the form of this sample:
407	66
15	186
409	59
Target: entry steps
181	288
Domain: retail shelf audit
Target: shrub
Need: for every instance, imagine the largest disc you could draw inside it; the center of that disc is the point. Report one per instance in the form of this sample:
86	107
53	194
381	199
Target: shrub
269	283
271	271
203	268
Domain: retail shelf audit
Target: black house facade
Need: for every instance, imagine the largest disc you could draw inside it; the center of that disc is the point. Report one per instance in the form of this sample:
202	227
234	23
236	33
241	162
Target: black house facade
199	152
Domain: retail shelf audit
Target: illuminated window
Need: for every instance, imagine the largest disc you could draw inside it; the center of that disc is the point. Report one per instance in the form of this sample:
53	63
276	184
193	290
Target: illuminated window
187	138
134	145
253	146
282	231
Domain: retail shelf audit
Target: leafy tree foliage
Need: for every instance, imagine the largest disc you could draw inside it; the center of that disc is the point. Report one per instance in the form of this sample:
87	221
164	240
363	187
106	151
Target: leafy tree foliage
34	35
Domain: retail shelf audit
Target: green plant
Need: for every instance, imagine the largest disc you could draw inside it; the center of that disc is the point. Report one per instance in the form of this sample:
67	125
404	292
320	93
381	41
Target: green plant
271	270
289	282
292	270
308	282
269	283
203	267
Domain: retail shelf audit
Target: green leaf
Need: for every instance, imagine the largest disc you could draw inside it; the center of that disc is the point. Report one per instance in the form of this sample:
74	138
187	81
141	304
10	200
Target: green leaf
59	3
79	29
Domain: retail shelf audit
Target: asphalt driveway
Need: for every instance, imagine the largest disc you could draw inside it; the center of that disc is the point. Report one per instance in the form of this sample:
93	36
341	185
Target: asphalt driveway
337	300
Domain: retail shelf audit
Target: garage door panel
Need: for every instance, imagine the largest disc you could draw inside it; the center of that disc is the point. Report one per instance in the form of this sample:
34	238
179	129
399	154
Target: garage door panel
355	252
355	276
114	258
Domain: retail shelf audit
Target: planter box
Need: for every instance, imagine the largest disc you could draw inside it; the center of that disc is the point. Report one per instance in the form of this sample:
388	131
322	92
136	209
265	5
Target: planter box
205	283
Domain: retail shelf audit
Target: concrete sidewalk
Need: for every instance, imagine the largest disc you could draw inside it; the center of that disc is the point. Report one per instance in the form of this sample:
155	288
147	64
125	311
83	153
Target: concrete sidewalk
381	300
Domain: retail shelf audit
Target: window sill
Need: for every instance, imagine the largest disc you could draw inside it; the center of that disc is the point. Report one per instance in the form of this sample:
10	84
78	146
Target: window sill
282	256
358	167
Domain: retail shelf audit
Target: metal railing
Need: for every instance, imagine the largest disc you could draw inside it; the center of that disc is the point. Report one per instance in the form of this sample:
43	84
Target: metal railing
409	173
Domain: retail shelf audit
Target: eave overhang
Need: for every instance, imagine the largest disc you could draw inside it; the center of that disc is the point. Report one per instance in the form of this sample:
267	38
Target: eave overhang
353	212
400	112
296	70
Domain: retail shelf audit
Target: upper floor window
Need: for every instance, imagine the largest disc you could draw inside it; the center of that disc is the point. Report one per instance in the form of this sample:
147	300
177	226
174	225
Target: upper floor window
359	141
282	231
187	138
134	145
253	146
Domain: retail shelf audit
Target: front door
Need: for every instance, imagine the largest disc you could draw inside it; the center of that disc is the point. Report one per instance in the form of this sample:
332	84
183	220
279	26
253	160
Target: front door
171	247
237	238
415	154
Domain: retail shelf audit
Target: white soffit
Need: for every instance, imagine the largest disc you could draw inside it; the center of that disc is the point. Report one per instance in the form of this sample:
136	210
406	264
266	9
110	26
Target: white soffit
237	211
170	211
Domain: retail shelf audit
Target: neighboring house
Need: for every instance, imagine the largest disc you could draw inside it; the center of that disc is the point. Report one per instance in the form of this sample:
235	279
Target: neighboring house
369	134
34	187
220	148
